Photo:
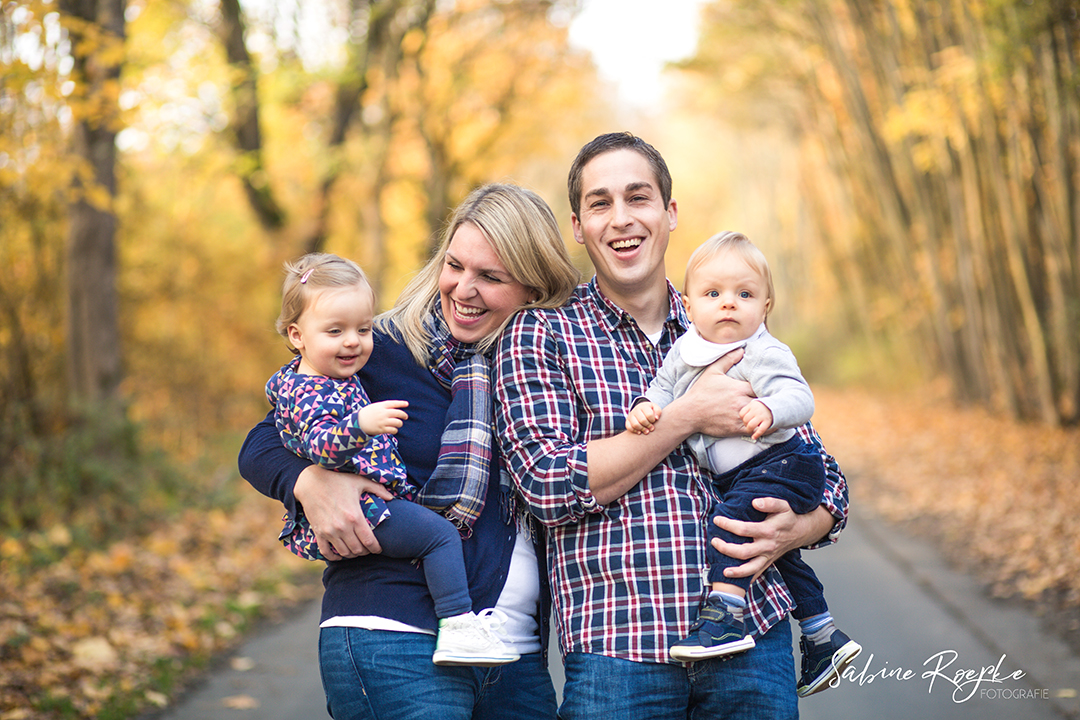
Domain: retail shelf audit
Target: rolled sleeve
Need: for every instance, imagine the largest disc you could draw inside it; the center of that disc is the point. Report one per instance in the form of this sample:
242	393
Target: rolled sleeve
835	497
537	421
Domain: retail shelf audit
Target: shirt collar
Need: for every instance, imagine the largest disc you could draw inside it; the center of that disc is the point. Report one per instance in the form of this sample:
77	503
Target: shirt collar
696	351
676	322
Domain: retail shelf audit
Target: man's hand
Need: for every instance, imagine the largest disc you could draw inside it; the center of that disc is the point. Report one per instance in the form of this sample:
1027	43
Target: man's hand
382	418
331	503
715	400
778	533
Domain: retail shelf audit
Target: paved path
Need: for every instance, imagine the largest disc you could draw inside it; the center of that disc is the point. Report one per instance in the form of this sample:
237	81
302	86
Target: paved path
912	614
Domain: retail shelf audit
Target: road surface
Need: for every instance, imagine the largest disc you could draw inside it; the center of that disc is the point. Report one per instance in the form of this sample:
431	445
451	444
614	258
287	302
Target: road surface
934	648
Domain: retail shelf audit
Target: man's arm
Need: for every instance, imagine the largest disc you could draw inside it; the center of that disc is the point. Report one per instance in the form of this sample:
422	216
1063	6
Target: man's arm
563	479
710	406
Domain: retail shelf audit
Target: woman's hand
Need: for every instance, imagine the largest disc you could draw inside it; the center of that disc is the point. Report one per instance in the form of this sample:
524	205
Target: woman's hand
778	533
331	503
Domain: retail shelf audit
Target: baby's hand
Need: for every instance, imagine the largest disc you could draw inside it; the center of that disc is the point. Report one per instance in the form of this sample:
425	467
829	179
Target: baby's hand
383	417
757	417
641	419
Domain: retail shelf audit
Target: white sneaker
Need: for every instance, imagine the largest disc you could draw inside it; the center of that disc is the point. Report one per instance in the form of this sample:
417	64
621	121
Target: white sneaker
472	639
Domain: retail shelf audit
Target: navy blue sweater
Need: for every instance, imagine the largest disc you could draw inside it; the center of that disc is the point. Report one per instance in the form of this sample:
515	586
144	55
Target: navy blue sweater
373	584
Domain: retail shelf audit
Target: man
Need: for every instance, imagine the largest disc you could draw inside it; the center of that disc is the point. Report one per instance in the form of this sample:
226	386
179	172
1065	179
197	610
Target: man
625	513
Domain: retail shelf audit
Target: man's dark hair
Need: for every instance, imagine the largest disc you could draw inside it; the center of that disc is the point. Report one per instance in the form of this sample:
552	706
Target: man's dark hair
608	143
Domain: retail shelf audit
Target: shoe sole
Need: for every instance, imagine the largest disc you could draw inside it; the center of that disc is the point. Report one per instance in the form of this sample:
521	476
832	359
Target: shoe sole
475	661
704	653
840	660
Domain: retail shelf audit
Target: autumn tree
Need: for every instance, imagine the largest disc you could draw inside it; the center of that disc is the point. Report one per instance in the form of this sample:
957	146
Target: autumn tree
940	144
96	32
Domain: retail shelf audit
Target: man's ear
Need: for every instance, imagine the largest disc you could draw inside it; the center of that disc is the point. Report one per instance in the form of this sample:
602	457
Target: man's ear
576	224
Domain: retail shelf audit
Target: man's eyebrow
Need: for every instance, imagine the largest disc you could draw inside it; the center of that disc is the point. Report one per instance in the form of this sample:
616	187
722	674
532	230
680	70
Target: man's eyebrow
631	187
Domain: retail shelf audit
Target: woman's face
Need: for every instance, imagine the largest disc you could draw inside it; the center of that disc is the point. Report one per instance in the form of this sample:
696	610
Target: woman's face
476	291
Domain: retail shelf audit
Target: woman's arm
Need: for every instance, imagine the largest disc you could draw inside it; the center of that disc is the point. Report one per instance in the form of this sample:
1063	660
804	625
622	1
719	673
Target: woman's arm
330	500
268	466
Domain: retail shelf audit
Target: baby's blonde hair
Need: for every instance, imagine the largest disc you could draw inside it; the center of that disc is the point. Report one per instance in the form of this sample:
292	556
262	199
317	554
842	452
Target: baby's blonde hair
740	245
307	275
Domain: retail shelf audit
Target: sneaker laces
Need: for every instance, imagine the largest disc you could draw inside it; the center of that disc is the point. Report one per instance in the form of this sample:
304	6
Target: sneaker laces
492	621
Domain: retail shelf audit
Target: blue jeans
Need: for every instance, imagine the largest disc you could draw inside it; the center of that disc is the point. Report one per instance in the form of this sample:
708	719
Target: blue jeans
382	675
755	685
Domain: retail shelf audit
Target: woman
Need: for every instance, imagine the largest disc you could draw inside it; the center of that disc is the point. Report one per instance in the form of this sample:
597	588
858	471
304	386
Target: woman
501	252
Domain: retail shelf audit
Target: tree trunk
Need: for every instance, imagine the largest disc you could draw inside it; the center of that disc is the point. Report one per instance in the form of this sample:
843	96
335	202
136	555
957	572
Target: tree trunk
96	27
244	123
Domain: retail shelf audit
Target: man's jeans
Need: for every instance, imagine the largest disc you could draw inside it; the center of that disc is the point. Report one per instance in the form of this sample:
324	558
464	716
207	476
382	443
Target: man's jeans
755	685
370	674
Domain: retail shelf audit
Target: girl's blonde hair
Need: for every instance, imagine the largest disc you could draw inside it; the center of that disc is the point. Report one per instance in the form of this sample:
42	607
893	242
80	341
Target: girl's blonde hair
307	275
525	236
741	247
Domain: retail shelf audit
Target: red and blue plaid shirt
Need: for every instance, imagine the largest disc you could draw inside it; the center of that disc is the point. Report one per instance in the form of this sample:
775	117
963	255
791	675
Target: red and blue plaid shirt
628	576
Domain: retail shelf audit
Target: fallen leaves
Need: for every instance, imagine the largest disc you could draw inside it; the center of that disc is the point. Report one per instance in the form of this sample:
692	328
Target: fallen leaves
112	627
999	496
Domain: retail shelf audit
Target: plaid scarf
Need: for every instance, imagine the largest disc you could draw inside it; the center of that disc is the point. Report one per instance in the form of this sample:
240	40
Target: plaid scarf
459	484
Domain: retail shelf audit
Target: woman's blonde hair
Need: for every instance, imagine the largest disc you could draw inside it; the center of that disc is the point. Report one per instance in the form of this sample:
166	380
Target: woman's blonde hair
525	236
310	273
745	250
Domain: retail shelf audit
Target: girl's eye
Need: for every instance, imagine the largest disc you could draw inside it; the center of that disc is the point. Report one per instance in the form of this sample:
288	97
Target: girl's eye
712	294
744	294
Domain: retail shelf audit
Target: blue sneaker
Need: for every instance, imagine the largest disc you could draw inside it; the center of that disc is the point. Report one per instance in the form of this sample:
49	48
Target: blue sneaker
716	632
821	663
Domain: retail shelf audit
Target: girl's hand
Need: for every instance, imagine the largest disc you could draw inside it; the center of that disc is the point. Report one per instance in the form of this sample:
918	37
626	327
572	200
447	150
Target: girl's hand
383	418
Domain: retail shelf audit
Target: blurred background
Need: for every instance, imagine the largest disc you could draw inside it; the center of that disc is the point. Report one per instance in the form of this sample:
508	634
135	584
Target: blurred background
910	168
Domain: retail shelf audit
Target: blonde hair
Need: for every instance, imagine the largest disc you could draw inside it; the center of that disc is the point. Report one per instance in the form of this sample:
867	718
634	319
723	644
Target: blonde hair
739	245
525	236
307	275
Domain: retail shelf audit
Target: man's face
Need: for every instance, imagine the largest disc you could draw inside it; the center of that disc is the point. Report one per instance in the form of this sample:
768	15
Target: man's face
623	222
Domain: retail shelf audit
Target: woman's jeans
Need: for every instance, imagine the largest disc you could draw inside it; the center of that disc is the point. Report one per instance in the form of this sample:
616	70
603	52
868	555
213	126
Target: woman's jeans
758	684
383	675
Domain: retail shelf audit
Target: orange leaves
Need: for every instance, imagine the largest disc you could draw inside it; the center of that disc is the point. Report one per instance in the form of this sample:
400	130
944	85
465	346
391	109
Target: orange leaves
998	494
89	629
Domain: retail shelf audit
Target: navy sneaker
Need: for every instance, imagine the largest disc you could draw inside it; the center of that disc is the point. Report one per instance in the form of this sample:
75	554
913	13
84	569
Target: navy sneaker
821	663
716	632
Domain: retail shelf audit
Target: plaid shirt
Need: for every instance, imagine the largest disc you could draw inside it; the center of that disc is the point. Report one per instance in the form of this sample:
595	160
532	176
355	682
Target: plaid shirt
629	576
